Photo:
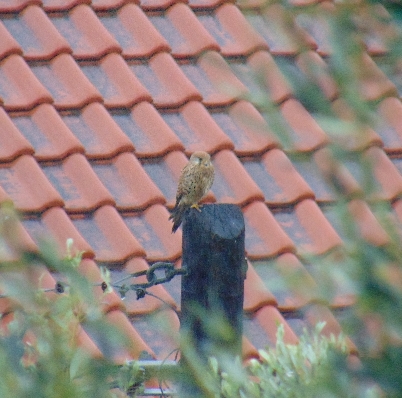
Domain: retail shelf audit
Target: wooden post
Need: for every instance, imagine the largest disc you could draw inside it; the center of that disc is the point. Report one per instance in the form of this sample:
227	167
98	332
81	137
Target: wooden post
212	290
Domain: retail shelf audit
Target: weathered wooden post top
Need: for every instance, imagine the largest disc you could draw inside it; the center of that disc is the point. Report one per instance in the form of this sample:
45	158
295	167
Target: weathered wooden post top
213	286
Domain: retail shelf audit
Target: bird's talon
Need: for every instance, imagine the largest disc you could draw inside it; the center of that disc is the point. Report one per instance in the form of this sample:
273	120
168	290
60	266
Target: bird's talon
196	206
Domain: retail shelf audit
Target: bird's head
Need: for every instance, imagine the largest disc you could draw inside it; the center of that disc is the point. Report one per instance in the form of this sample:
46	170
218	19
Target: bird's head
201	158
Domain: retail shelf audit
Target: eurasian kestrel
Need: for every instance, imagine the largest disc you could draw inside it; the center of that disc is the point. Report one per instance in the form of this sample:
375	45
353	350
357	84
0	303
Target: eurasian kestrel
195	181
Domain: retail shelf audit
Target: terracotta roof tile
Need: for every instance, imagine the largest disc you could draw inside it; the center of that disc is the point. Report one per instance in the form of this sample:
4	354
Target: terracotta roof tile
232	32
154	232
387	175
104	5
304	132
308	228
18	238
46	132
278	179
84	341
56	222
147	130
246	127
183	30
97	132
212	76
161	339
8	44
266	79
62	5
388	181
378	30
66	82
360	137
27	186
77	184
318	313
119	320
85	34
108	235
119	87
205	4
248	350
256	294
320	170
264	323
366	223
19	88
128	183
273	26
196	129
389	127
316	25
17	5
147	304
335	174
156	5
35	33
397	208
232	182
140	39
374	84
291	284
166	82
264	237
317	71
13	143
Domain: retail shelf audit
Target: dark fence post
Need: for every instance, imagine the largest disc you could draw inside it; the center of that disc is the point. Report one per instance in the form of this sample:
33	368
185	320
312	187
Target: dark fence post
212	290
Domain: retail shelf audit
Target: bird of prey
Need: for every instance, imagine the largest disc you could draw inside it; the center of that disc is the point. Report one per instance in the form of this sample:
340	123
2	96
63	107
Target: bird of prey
195	181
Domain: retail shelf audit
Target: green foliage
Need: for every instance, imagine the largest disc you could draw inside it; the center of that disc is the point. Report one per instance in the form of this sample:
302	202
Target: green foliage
39	352
303	370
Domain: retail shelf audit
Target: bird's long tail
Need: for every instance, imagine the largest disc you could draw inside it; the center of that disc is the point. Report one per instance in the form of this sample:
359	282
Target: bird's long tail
177	216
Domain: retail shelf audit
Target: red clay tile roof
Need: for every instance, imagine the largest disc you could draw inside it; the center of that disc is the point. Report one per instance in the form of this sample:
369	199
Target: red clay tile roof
102	101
